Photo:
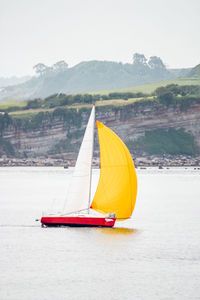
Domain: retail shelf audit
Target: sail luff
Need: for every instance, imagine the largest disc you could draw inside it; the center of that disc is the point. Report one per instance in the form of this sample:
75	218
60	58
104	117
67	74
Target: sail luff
79	189
117	187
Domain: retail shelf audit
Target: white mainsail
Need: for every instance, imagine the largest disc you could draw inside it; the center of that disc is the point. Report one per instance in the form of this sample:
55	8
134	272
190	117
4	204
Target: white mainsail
78	196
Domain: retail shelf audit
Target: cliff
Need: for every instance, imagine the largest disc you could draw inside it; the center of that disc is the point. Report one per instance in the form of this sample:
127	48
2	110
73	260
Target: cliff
58	134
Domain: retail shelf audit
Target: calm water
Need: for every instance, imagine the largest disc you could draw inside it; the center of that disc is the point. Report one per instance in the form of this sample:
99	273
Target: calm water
155	255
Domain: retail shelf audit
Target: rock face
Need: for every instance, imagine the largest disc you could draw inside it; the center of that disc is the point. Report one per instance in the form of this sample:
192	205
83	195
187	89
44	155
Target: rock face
129	122
36	143
136	122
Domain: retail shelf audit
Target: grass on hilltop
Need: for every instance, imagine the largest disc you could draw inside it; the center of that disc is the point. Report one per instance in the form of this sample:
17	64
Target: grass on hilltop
20	109
5	105
150	88
115	102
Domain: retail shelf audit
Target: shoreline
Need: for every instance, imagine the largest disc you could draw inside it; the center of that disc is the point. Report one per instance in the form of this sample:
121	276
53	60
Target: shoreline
143	162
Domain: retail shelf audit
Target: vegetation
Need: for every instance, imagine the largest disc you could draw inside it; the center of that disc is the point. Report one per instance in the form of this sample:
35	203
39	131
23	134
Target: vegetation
167	95
76	134
162	141
69	110
43	120
195	72
177	90
178	95
150	87
5	121
6	147
64	146
14	105
44	70
39	113
90	76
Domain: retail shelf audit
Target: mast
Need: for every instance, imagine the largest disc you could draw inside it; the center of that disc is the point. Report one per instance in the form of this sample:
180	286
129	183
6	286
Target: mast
91	164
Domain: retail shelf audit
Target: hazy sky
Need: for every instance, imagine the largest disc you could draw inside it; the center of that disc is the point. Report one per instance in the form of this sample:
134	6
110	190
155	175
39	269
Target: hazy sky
33	31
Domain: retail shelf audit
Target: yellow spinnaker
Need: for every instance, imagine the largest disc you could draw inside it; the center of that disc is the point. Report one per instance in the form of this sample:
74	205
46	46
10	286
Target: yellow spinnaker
117	188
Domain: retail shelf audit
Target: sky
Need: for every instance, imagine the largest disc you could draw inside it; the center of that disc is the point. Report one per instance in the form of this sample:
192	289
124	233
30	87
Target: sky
46	31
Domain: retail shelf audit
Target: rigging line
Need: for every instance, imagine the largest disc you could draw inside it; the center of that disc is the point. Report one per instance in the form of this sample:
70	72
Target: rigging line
90	173
73	212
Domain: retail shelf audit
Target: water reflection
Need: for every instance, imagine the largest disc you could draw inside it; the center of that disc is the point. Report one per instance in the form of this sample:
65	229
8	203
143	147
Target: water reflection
119	231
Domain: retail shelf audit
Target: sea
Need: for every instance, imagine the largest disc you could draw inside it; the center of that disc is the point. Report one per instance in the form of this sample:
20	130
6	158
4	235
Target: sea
155	255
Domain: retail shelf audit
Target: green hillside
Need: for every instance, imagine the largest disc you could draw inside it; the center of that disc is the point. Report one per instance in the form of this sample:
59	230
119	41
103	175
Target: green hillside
195	72
149	88
89	76
166	92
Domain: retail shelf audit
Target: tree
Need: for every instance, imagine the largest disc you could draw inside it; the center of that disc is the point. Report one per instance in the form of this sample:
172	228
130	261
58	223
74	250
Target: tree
5	121
155	62
139	59
42	69
164	95
60	66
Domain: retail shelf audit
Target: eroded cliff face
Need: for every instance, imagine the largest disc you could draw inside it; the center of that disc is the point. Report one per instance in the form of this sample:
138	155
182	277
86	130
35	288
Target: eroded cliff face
129	122
135	122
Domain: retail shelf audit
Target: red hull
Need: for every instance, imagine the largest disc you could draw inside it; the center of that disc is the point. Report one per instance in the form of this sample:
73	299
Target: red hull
78	221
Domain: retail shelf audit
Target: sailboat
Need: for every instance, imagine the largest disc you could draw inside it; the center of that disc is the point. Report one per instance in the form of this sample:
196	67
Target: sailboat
116	192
